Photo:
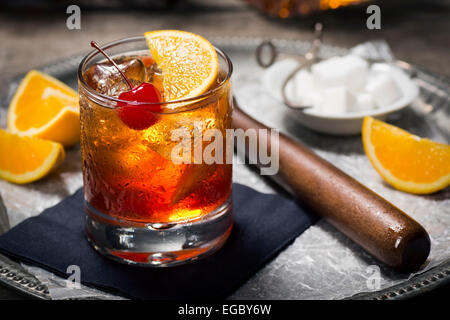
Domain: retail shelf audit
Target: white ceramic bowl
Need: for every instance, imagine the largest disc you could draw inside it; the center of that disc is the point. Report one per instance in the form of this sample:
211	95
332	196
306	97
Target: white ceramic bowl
342	124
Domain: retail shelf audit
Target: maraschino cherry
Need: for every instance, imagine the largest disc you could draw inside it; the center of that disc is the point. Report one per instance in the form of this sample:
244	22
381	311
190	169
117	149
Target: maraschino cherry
136	116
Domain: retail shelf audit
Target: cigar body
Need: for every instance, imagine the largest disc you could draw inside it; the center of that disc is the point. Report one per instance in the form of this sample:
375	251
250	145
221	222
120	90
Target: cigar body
378	226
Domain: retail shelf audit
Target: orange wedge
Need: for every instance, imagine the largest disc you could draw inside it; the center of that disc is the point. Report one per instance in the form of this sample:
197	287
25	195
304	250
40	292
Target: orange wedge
46	108
407	162
188	62
27	159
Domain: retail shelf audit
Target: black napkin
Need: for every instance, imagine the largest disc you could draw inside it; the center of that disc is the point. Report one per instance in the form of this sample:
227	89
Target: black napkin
264	225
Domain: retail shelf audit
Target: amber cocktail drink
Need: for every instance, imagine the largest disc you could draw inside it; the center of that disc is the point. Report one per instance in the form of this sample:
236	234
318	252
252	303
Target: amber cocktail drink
143	204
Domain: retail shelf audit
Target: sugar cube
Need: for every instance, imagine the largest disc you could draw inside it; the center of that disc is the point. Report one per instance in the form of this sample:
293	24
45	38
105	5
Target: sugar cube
364	102
377	68
357	70
384	89
300	85
313	99
329	73
350	71
337	100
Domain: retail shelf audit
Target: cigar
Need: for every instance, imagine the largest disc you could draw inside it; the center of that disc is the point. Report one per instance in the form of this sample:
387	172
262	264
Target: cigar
372	222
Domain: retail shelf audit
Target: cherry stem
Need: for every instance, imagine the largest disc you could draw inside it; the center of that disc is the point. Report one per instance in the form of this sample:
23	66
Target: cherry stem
96	46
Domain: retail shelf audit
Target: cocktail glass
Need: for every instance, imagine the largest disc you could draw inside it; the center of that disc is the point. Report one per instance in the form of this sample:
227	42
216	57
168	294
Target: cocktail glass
142	207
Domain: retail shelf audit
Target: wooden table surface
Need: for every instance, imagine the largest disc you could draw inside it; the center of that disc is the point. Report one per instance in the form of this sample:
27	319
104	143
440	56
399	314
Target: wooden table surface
417	31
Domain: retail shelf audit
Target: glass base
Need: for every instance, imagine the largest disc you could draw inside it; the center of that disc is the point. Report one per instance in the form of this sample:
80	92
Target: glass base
158	244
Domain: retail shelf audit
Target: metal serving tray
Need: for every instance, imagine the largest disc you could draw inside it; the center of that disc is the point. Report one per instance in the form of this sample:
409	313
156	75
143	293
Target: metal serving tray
321	263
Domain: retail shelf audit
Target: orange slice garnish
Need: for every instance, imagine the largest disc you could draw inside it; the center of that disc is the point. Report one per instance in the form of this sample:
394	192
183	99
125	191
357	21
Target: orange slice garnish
407	162
27	159
188	62
46	108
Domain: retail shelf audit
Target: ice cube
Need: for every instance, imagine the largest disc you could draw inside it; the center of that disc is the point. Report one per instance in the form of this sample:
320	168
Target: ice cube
384	89
364	102
350	71
192	178
104	77
337	100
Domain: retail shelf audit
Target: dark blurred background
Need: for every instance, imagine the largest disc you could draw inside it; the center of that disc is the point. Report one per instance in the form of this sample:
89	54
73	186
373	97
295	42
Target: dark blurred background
34	32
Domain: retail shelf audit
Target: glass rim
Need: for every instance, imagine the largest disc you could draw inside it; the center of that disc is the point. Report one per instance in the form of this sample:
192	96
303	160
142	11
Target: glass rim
102	96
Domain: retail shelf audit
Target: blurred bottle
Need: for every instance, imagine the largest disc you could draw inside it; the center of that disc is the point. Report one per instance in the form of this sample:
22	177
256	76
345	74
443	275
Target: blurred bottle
290	8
